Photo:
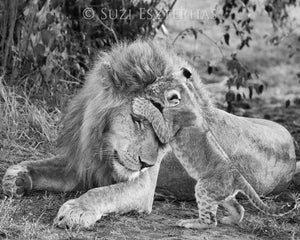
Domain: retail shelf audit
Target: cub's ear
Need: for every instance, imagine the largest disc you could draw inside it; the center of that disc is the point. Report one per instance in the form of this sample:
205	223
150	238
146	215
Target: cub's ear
186	73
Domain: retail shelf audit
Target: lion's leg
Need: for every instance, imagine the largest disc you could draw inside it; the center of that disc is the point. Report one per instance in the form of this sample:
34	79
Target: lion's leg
207	206
122	197
235	210
46	174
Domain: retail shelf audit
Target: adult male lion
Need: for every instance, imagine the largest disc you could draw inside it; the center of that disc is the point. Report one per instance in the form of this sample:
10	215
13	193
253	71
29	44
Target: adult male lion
103	147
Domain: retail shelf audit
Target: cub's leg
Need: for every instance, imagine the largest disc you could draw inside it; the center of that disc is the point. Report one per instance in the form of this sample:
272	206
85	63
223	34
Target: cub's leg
46	174
144	108
235	210
207	206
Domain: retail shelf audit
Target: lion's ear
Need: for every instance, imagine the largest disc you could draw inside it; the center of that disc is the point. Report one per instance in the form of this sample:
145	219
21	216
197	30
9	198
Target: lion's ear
111	74
106	66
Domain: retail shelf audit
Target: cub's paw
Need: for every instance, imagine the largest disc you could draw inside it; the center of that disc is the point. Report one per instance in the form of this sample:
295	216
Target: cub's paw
16	181
73	213
139	106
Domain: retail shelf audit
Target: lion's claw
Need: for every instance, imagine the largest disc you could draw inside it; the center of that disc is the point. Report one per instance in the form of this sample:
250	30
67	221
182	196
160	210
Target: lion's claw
74	214
16	181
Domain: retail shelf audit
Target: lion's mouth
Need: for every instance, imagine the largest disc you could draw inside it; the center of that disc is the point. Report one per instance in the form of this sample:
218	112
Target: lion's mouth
118	159
122	172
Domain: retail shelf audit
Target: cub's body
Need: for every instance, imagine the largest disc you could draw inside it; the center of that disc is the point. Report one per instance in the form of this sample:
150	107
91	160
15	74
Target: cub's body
197	138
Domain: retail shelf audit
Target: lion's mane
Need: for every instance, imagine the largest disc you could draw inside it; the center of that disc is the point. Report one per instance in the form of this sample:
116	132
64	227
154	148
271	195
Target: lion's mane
131	68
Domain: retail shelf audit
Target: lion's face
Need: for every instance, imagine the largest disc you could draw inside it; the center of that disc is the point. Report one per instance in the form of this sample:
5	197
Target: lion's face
134	144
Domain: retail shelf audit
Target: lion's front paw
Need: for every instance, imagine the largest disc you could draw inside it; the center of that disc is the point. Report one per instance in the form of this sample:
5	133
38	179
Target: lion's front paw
74	214
139	106
16	181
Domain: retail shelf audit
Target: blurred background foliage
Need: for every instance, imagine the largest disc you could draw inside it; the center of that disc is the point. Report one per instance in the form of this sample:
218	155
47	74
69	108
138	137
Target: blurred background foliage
47	46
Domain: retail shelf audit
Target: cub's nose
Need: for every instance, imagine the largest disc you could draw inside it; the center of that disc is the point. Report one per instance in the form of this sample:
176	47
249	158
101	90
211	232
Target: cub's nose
144	164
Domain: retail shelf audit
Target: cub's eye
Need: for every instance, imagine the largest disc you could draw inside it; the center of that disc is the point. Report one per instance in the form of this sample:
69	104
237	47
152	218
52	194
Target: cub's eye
157	105
173	97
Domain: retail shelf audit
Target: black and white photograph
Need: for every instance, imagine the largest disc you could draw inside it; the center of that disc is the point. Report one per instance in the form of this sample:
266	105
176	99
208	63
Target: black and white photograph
150	119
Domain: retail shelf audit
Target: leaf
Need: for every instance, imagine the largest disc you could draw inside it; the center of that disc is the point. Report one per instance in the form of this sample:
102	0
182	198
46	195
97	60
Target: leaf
297	101
230	96
39	50
248	75
259	88
54	3
50	18
209	70
230	82
227	38
194	32
238	83
41	60
229	107
47	37
247	41
250	92
241	45
287	103
227	27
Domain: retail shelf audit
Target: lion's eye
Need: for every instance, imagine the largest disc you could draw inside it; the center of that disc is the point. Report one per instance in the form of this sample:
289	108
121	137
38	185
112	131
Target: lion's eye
139	125
137	122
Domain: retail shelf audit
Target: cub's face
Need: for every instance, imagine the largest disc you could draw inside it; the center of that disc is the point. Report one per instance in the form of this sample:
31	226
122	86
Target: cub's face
176	97
134	145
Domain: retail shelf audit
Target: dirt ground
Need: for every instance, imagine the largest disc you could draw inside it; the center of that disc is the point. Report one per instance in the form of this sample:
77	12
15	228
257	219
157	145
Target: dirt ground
32	216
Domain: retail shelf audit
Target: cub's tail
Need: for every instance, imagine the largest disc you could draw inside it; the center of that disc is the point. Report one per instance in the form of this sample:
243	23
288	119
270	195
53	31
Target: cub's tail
249	191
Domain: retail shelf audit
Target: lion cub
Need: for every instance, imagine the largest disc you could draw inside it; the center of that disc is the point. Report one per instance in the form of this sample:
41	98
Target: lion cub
172	107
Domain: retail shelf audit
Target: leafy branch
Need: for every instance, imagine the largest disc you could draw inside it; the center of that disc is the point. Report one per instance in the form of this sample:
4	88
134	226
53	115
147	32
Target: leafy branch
195	32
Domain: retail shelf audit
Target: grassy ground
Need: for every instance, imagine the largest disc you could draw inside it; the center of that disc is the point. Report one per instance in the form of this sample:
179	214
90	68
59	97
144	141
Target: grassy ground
31	218
27	131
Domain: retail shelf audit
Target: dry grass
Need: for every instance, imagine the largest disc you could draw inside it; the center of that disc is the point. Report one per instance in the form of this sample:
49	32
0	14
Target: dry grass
25	127
269	227
21	118
11	229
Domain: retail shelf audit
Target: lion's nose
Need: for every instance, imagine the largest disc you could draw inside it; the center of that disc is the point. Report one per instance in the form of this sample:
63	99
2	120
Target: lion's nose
144	164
